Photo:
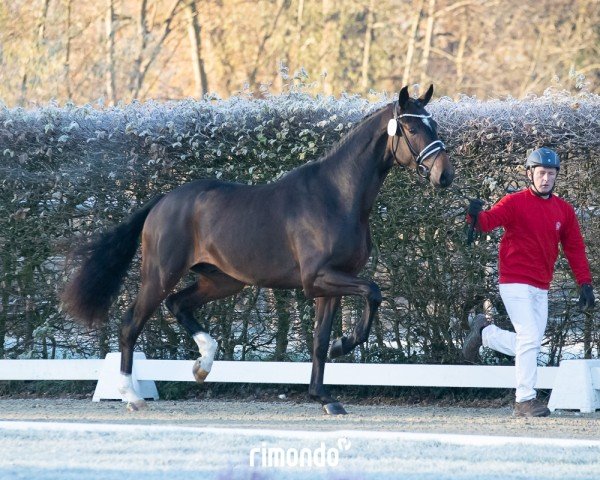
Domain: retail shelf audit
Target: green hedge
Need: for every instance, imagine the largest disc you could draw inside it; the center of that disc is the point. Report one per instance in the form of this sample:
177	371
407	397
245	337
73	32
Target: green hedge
67	172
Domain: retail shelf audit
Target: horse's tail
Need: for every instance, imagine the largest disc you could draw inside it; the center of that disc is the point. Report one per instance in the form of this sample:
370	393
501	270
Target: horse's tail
106	259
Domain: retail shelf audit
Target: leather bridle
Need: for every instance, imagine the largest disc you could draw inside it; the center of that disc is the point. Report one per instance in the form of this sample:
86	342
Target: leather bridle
396	129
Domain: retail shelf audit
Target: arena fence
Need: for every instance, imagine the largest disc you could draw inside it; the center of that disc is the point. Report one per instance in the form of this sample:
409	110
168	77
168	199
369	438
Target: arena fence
575	384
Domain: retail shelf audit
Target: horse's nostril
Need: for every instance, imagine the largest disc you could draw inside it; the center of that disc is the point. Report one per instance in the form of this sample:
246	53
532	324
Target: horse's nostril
446	178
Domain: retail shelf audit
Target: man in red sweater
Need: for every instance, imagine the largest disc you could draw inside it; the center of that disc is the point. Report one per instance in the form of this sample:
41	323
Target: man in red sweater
535	222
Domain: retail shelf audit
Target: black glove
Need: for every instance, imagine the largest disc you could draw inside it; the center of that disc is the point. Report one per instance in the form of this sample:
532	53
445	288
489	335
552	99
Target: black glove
475	207
586	298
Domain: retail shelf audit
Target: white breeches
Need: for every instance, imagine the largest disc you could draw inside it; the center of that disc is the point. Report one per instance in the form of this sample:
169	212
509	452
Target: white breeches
527	308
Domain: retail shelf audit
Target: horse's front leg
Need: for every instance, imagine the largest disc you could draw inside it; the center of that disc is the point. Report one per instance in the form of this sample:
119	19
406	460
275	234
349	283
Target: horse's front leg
360	334
338	283
326	308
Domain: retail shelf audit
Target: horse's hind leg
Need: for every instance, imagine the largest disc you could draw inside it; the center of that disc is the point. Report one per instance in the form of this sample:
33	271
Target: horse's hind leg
182	305
210	286
152	293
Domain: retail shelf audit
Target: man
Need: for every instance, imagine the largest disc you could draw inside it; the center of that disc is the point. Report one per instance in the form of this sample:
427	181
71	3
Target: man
535	222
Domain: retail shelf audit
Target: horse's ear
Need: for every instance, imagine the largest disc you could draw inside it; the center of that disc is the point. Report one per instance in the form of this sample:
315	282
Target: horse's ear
424	100
403	98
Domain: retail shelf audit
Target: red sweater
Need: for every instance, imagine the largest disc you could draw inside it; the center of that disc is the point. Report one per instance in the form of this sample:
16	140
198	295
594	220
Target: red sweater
533	228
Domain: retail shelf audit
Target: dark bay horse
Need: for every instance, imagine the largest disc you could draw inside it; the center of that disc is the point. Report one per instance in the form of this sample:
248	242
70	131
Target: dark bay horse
309	230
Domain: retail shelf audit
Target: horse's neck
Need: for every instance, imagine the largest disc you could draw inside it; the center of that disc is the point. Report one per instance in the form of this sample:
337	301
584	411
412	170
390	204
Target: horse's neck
359	167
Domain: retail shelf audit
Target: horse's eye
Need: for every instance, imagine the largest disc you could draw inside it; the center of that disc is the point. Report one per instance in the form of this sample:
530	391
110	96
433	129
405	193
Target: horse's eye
412	131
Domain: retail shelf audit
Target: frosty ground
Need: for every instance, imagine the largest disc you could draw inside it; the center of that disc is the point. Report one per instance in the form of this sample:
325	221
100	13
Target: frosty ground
68	439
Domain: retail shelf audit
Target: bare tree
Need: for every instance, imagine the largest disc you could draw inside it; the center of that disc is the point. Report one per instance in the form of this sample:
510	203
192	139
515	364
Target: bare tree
67	43
427	41
142	36
488	48
109	24
412	39
366	60
194	33
299	33
459	60
260	52
143	66
43	20
329	51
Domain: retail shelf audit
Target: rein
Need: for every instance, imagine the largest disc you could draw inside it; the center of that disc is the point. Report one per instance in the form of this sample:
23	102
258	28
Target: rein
396	129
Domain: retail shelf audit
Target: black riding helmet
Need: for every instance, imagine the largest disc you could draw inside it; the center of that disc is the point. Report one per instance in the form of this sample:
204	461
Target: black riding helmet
542	157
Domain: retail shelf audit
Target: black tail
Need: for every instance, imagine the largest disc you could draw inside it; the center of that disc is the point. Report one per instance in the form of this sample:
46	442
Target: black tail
106	259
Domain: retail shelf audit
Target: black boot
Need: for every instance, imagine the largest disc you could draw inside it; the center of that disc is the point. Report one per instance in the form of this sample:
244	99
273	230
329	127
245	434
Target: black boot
473	340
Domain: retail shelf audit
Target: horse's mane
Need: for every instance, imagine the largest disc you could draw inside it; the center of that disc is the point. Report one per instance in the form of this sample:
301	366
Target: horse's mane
343	142
340	147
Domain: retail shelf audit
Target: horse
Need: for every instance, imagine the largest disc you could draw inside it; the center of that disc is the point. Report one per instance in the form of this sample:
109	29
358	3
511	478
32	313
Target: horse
309	230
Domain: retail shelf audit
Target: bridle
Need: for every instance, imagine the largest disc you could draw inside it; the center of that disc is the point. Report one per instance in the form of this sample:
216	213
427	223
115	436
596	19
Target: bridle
396	129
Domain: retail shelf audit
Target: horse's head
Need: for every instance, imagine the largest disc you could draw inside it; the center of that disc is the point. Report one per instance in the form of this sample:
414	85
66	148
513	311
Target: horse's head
414	142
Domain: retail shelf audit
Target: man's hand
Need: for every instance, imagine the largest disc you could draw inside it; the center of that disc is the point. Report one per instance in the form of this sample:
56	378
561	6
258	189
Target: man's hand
475	207
586	298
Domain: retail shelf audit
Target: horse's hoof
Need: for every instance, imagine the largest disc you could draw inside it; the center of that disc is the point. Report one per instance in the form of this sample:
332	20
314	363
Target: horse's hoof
337	348
137	405
334	408
199	373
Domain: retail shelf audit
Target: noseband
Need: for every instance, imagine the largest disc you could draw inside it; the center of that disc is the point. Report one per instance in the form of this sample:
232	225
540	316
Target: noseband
396	129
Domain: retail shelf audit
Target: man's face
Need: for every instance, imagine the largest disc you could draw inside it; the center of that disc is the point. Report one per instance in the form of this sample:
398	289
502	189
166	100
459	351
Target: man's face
543	179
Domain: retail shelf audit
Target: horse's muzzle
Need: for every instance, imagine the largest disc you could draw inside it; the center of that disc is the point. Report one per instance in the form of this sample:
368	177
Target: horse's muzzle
442	172
446	177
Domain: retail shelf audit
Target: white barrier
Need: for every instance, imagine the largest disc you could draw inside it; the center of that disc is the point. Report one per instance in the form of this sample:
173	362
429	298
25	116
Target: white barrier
579	392
577	386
